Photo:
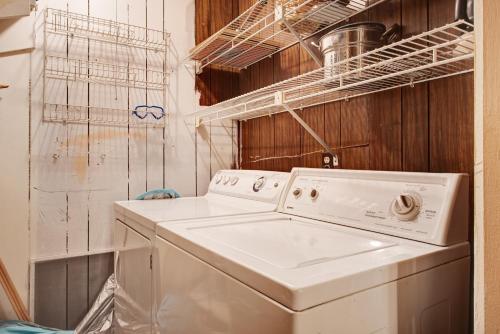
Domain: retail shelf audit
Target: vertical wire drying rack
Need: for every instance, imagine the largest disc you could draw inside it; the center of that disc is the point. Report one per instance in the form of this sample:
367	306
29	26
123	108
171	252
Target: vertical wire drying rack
130	38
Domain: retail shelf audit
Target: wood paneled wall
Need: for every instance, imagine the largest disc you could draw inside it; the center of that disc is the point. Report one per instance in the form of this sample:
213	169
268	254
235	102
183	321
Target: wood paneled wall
426	128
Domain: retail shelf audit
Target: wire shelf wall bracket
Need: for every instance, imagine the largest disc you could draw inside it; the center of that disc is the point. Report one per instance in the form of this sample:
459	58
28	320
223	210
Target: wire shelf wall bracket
270	26
442	52
126	38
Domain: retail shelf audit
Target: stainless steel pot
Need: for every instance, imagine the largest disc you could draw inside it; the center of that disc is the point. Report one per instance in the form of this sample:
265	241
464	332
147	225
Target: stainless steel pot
354	39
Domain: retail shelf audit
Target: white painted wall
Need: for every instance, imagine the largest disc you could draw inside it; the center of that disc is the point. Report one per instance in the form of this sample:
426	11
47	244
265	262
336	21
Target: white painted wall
59	180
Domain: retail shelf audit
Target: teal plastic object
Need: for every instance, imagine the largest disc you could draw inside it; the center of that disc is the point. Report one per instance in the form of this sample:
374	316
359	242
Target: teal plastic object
158	194
20	327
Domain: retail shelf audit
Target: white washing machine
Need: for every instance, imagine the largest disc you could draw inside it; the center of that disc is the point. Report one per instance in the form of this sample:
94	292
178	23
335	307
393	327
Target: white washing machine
347	252
231	192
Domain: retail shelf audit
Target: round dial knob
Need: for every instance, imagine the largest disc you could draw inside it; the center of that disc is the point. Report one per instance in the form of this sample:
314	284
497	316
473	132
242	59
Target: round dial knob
406	206
218	178
297	192
234	180
226	180
259	184
314	194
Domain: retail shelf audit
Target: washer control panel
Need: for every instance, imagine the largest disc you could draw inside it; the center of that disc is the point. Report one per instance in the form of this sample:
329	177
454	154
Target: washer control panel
257	185
416	206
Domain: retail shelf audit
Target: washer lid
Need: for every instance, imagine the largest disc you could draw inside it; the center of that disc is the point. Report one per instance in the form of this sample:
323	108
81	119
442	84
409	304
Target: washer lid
150	213
302	263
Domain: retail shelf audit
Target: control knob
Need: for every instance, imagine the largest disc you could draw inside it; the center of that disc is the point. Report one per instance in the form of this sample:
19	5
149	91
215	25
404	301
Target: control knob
259	184
234	180
226	179
297	192
314	194
218	178
406	207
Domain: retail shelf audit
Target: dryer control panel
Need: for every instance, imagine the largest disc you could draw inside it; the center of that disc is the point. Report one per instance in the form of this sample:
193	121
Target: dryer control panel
257	185
420	206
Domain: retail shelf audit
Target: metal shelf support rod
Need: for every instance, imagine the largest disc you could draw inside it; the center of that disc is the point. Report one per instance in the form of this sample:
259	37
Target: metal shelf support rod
310	130
303	43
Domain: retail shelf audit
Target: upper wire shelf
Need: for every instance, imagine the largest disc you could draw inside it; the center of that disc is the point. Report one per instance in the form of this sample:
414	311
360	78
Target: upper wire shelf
263	29
439	53
103	30
57	67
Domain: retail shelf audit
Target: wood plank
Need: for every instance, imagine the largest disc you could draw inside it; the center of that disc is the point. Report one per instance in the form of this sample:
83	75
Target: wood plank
101	266
287	130
415	111
355	158
249	80
202	32
77	151
50	294
78	290
385	114
49	159
155	136
385	131
313	116
451	125
266	124
333	126
108	145
137	136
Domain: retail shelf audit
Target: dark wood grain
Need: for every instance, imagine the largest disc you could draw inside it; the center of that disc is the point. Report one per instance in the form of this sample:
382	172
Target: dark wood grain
266	124
287	130
78	290
202	32
50	294
415	111
355	158
385	108
313	116
101	266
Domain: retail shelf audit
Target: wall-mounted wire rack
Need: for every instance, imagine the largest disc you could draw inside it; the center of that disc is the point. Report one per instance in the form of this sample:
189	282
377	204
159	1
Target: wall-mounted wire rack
439	53
125	72
73	114
77	25
270	26
57	67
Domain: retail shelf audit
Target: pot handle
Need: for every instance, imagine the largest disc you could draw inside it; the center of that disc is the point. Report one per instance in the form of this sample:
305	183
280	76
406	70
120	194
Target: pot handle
316	45
392	34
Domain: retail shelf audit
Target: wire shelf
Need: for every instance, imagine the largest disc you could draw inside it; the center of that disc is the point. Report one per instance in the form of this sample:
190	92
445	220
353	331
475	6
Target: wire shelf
439	53
97	29
73	69
261	30
97	116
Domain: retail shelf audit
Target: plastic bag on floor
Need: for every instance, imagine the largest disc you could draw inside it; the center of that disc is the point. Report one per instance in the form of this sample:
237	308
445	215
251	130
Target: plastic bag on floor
99	319
21	327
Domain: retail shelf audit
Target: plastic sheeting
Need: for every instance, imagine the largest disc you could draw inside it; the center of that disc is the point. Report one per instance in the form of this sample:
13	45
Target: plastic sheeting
21	327
99	319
